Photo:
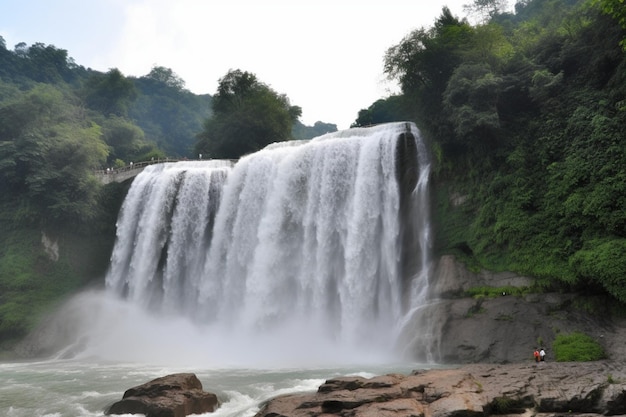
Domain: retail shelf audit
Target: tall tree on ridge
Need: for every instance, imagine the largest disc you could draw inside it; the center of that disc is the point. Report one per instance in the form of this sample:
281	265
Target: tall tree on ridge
247	115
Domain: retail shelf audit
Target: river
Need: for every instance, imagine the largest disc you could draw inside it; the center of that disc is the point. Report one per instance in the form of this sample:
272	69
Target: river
81	388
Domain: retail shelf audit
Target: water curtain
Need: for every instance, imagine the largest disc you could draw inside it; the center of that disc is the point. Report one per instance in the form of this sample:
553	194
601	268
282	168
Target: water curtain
326	239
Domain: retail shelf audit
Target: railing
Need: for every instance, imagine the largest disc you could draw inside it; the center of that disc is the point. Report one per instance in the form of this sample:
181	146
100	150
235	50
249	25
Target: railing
131	170
121	174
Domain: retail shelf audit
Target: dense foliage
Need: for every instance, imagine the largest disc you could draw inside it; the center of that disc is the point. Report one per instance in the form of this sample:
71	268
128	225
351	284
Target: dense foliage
46	158
247	115
168	113
525	113
300	131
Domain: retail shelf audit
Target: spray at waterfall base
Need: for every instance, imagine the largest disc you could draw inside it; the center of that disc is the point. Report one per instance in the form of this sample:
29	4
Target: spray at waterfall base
306	251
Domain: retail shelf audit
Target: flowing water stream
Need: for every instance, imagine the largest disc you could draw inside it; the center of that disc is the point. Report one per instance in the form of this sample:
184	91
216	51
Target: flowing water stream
86	388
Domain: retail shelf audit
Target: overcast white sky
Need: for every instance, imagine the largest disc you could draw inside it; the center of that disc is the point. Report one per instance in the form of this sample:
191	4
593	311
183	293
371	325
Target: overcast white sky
325	55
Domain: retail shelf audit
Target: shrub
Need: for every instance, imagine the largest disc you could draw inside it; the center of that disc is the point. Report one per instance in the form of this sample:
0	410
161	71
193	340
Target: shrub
577	347
494	292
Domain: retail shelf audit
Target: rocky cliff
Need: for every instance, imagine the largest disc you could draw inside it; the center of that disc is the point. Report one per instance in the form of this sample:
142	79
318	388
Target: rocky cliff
455	328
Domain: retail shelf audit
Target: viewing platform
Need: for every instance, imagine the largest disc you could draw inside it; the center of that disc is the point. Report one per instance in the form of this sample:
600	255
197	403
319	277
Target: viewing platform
107	176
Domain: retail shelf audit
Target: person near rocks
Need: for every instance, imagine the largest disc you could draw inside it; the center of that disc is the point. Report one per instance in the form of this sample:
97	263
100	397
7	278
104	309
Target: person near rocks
542	355
536	355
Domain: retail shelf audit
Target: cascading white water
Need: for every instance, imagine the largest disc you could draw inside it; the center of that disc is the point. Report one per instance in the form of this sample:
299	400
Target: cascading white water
169	207
300	241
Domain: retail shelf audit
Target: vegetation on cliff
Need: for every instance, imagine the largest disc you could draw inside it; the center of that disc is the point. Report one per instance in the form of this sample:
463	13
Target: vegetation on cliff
247	116
525	115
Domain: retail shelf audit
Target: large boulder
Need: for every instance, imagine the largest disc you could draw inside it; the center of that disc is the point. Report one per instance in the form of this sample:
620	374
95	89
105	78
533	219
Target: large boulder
471	390
176	395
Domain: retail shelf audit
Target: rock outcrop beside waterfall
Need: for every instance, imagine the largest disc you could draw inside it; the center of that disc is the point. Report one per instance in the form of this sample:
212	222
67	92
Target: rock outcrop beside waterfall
491	341
546	389
504	329
176	395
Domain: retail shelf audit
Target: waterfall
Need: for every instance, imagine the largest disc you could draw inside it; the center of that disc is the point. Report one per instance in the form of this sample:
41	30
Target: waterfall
323	241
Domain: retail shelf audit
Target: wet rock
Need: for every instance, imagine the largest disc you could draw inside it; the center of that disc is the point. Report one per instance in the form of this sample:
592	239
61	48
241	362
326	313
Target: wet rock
591	388
455	328
176	395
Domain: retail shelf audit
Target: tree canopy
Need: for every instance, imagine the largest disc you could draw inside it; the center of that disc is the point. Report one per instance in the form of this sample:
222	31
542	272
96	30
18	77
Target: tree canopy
46	158
525	115
247	115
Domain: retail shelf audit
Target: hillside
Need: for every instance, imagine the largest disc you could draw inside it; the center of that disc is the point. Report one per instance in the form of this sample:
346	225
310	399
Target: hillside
525	116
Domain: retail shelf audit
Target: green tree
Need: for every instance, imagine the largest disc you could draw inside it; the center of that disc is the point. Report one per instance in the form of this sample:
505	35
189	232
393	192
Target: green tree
300	131
166	76
124	138
604	261
391	109
247	115
470	101
617	10
524	123
110	93
423	62
489	45
46	63
169	115
48	150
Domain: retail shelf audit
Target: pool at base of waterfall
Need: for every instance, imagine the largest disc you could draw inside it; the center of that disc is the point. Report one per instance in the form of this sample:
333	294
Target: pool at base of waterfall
59	388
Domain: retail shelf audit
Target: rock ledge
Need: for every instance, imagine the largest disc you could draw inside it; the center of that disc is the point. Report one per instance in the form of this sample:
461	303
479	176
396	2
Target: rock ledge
471	390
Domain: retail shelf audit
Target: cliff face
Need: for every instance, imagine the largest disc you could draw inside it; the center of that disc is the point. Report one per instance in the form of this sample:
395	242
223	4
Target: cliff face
454	328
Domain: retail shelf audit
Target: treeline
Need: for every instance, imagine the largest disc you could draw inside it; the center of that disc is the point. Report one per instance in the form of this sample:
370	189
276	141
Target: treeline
60	121
526	113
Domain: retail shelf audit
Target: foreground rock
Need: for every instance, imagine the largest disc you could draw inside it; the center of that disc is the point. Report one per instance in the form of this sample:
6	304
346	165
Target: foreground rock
175	395
472	390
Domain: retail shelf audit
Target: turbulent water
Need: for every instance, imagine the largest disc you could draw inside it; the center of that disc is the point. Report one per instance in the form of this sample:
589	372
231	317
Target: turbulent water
299	262
86	389
299	241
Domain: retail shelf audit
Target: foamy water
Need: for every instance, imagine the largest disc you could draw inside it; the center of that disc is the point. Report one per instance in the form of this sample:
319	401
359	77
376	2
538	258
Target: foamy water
85	389
298	245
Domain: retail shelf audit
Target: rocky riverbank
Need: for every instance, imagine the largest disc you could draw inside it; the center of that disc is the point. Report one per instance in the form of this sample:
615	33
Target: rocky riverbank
548	388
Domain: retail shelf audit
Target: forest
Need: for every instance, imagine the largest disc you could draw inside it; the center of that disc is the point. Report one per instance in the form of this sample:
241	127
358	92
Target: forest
524	112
